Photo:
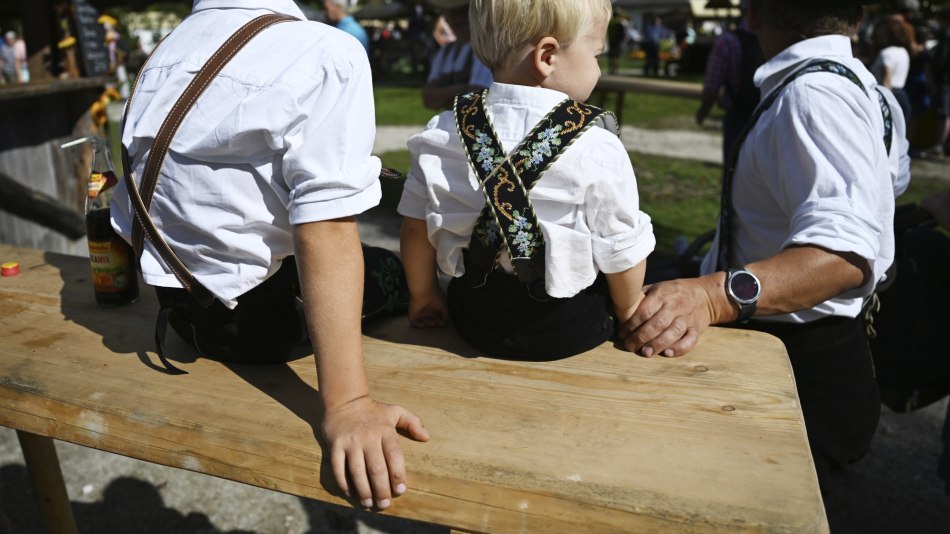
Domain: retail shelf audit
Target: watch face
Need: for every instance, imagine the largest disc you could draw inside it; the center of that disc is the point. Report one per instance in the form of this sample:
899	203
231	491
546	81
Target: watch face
744	286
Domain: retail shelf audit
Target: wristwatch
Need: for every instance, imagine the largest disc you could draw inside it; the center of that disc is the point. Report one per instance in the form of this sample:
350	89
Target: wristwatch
743	288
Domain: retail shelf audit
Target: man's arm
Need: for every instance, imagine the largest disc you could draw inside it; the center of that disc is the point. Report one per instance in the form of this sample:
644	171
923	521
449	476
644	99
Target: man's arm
359	432
673	314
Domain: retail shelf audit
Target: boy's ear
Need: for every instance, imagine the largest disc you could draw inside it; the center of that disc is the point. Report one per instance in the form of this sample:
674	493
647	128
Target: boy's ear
545	55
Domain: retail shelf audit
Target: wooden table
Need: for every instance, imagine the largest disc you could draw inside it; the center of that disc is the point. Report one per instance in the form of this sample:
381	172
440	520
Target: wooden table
602	442
621	85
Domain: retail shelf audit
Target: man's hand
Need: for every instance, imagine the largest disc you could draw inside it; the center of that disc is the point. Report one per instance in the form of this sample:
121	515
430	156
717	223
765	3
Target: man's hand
670	319
363	443
429	309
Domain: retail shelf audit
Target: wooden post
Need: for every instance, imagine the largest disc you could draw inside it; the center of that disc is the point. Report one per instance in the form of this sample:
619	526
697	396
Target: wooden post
48	485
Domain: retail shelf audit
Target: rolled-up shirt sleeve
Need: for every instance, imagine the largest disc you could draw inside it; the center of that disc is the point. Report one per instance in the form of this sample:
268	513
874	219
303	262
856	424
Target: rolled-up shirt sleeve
327	165
832	197
621	234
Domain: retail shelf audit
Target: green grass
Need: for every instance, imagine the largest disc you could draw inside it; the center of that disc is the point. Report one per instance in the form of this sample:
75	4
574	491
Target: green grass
921	186
681	196
396	106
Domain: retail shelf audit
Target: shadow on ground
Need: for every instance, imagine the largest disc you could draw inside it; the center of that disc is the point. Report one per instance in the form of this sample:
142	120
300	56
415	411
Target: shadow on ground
132	505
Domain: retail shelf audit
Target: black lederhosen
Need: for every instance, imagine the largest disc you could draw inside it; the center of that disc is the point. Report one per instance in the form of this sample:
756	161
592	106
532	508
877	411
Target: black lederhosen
501	319
839	394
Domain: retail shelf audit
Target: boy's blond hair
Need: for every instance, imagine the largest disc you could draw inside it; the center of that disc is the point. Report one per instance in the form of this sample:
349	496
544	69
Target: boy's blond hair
499	27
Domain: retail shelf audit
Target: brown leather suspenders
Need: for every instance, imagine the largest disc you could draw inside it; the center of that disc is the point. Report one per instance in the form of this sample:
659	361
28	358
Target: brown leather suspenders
142	196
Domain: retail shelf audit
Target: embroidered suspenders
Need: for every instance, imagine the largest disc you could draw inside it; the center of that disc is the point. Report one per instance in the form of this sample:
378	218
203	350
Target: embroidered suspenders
724	257
508	221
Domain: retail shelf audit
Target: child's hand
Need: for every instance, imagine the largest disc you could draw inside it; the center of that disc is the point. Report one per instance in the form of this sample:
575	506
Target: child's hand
429	309
362	439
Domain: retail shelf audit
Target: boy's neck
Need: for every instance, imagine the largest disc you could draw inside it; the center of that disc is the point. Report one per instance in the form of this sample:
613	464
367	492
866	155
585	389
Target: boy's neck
520	73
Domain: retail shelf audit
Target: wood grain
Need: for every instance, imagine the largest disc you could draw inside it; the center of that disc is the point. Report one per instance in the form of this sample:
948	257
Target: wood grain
602	442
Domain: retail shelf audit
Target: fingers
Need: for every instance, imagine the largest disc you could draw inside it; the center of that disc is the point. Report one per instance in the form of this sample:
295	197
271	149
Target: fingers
368	465
668	335
407	421
397	465
377	472
338	464
428	319
684	345
368	473
428	316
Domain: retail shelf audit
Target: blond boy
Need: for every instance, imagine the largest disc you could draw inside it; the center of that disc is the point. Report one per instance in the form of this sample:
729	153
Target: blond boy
588	240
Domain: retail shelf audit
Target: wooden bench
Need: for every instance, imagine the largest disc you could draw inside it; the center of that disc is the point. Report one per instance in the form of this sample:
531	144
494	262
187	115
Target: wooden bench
602	442
620	85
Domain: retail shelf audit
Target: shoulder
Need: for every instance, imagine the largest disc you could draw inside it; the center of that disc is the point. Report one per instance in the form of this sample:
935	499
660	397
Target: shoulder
821	95
602	156
438	135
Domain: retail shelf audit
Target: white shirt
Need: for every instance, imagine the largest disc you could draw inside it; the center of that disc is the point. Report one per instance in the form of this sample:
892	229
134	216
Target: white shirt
586	202
281	137
456	57
896	60
814	171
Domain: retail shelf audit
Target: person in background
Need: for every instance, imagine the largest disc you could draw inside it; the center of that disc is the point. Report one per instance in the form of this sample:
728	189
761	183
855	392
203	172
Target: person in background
616	40
941	79
730	68
13	59
892	60
806	226
575	245
653	34
339	17
455	69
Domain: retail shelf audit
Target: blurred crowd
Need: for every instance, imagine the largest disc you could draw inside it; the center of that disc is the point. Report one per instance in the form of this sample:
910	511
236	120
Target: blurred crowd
907	50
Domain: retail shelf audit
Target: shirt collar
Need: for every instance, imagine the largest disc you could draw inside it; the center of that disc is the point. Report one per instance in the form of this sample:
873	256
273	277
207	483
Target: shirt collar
284	7
521	94
769	75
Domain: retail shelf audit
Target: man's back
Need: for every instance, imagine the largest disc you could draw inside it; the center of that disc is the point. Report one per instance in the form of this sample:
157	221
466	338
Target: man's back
291	116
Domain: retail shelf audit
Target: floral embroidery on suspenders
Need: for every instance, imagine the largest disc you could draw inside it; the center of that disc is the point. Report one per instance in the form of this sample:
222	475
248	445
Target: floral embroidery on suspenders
508	221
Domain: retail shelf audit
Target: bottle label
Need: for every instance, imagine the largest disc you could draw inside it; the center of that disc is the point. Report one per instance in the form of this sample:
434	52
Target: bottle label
100	181
96	181
110	265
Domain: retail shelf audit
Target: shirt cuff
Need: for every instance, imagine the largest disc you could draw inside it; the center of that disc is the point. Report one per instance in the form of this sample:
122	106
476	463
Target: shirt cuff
414	200
304	211
837	230
615	254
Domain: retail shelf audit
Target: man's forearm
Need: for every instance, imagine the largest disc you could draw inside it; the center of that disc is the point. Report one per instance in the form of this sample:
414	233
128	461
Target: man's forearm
330	266
801	277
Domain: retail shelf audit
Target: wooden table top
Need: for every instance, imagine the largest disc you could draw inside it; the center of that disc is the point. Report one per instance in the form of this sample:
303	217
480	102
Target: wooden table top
601	442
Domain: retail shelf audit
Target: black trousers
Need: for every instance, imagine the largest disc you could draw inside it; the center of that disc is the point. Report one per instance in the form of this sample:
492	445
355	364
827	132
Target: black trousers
839	394
268	324
501	319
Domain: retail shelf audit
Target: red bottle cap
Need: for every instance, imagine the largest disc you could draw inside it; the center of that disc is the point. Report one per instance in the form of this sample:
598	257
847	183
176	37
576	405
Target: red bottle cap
10	268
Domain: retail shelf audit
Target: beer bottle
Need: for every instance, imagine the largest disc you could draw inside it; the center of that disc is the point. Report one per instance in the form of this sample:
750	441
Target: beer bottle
111	258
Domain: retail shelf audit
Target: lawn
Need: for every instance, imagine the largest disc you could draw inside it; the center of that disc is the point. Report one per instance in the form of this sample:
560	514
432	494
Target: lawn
396	106
680	195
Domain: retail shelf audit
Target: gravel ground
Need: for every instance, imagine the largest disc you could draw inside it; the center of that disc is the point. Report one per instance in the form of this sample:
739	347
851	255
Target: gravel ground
894	489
